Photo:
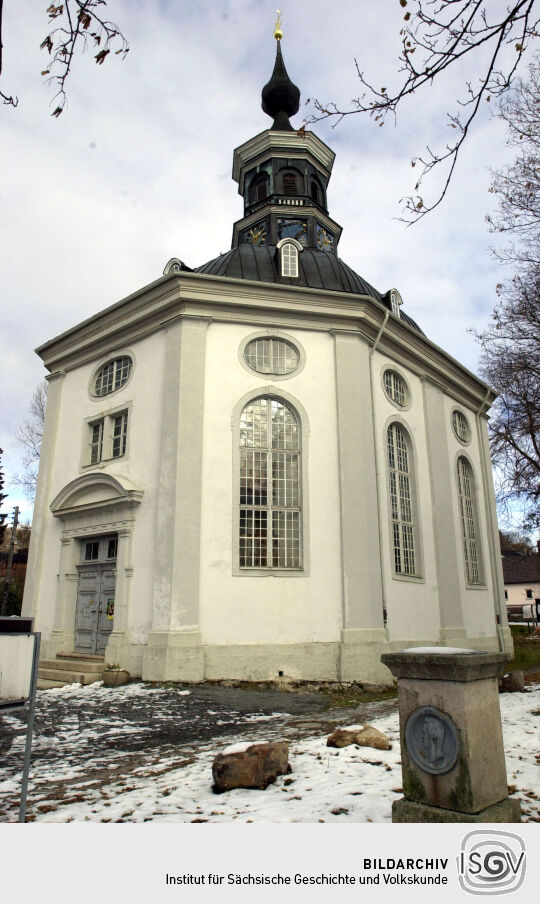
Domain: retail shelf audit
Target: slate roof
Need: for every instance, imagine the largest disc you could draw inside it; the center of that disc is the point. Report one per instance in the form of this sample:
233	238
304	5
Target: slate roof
317	270
521	569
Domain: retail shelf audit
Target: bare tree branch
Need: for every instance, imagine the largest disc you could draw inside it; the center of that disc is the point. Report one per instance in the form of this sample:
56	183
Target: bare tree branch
444	33
30	434
76	22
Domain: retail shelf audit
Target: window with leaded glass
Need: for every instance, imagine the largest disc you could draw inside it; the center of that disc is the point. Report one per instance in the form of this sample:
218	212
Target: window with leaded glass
270	355
112	376
119	436
96	442
289	260
107	437
270	484
460	426
395	388
469	528
401	501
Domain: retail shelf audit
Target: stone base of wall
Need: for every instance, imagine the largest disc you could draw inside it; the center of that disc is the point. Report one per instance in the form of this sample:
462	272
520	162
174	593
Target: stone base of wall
173	656
180	656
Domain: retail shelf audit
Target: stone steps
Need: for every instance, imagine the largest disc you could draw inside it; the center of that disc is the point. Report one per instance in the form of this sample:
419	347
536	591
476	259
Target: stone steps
70	668
73	665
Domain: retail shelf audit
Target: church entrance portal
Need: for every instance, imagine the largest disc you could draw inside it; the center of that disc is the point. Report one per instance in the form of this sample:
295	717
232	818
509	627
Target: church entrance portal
94	617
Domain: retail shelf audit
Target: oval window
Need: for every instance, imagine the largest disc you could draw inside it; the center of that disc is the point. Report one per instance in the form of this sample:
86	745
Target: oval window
270	355
460	426
396	388
112	376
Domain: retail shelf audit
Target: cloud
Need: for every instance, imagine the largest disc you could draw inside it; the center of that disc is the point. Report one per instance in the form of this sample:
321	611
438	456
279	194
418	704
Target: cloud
137	169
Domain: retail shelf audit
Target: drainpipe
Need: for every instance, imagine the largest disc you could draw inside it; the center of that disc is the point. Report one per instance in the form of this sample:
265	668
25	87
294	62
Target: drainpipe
377	464
492	527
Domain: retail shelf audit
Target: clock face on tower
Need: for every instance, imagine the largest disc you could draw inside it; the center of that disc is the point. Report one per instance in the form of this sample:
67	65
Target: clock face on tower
292	229
256	235
324	238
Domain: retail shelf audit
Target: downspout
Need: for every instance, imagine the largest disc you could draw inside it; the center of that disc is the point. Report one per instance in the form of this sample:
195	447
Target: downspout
377	465
492	528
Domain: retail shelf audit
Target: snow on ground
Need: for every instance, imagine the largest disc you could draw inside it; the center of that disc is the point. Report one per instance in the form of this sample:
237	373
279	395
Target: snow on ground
355	784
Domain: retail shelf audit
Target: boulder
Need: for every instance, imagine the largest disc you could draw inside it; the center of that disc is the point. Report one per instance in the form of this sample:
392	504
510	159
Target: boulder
363	735
250	765
512	682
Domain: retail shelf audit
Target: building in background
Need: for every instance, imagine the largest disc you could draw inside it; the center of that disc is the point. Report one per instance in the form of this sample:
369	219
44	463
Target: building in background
522	585
261	467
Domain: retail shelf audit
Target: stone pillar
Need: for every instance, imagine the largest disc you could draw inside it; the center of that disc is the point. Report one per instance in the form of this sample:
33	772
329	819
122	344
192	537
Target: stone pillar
363	634
452	752
174	649
443	490
33	595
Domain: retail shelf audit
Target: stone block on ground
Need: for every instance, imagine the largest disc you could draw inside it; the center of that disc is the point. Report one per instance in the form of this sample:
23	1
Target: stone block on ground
250	765
363	735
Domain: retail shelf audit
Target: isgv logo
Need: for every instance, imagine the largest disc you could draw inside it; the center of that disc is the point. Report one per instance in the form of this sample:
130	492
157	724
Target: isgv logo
491	862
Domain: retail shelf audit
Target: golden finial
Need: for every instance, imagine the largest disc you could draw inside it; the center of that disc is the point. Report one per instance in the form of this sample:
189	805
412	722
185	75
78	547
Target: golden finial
278	34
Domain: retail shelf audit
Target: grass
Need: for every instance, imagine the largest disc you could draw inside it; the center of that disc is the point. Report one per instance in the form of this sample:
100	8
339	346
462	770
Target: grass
526	652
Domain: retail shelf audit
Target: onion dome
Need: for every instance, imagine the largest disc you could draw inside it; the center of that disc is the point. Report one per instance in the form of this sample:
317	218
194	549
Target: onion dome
280	98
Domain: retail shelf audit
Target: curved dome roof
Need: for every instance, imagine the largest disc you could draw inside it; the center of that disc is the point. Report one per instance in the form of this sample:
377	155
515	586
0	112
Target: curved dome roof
316	270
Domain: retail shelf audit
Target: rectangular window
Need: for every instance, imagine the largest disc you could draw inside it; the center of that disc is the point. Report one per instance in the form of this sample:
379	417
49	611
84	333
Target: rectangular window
119	435
107	437
529	594
96	442
91	550
112	548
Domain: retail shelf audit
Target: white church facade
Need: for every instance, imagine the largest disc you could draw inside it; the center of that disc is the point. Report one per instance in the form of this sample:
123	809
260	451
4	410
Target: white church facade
262	468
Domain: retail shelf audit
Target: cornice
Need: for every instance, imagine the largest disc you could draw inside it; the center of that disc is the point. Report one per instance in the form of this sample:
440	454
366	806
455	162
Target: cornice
228	300
279	144
284	210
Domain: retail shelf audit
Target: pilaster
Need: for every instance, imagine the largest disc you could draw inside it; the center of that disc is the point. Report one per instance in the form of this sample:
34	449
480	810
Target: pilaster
452	626
178	527
362	588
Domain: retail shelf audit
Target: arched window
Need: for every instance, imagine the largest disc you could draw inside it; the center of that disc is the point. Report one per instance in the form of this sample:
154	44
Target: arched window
315	193
289	260
258	189
469	529
270	483
401	500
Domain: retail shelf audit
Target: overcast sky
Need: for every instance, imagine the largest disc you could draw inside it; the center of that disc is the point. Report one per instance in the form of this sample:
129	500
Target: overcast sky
138	169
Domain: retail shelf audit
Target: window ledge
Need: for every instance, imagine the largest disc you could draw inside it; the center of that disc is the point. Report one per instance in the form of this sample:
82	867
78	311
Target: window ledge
411	578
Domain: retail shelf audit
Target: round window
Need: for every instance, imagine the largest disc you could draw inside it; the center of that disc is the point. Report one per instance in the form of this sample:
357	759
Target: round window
112	376
460	426
270	355
396	388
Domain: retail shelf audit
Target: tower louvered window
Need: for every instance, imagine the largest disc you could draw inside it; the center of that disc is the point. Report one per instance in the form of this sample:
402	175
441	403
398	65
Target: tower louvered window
401	501
469	530
289	184
270	482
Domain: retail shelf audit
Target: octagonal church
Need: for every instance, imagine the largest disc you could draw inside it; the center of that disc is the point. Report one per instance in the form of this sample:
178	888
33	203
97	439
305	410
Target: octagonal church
261	467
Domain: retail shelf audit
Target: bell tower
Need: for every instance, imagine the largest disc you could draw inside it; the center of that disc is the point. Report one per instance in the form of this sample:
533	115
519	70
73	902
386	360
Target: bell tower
283	174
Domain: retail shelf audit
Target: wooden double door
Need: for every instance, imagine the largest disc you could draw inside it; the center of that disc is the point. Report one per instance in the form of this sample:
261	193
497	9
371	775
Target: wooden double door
94	617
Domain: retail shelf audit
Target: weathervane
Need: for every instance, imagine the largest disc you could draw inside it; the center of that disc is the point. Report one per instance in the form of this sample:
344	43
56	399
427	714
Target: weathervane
278	34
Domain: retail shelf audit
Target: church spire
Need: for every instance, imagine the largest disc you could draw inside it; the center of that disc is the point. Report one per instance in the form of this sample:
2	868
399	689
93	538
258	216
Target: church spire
280	98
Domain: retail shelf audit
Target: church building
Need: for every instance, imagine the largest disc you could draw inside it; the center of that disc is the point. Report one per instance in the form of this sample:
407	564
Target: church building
261	468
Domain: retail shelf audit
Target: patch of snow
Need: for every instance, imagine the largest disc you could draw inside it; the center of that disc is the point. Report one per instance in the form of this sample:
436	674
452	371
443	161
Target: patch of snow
352	727
241	746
